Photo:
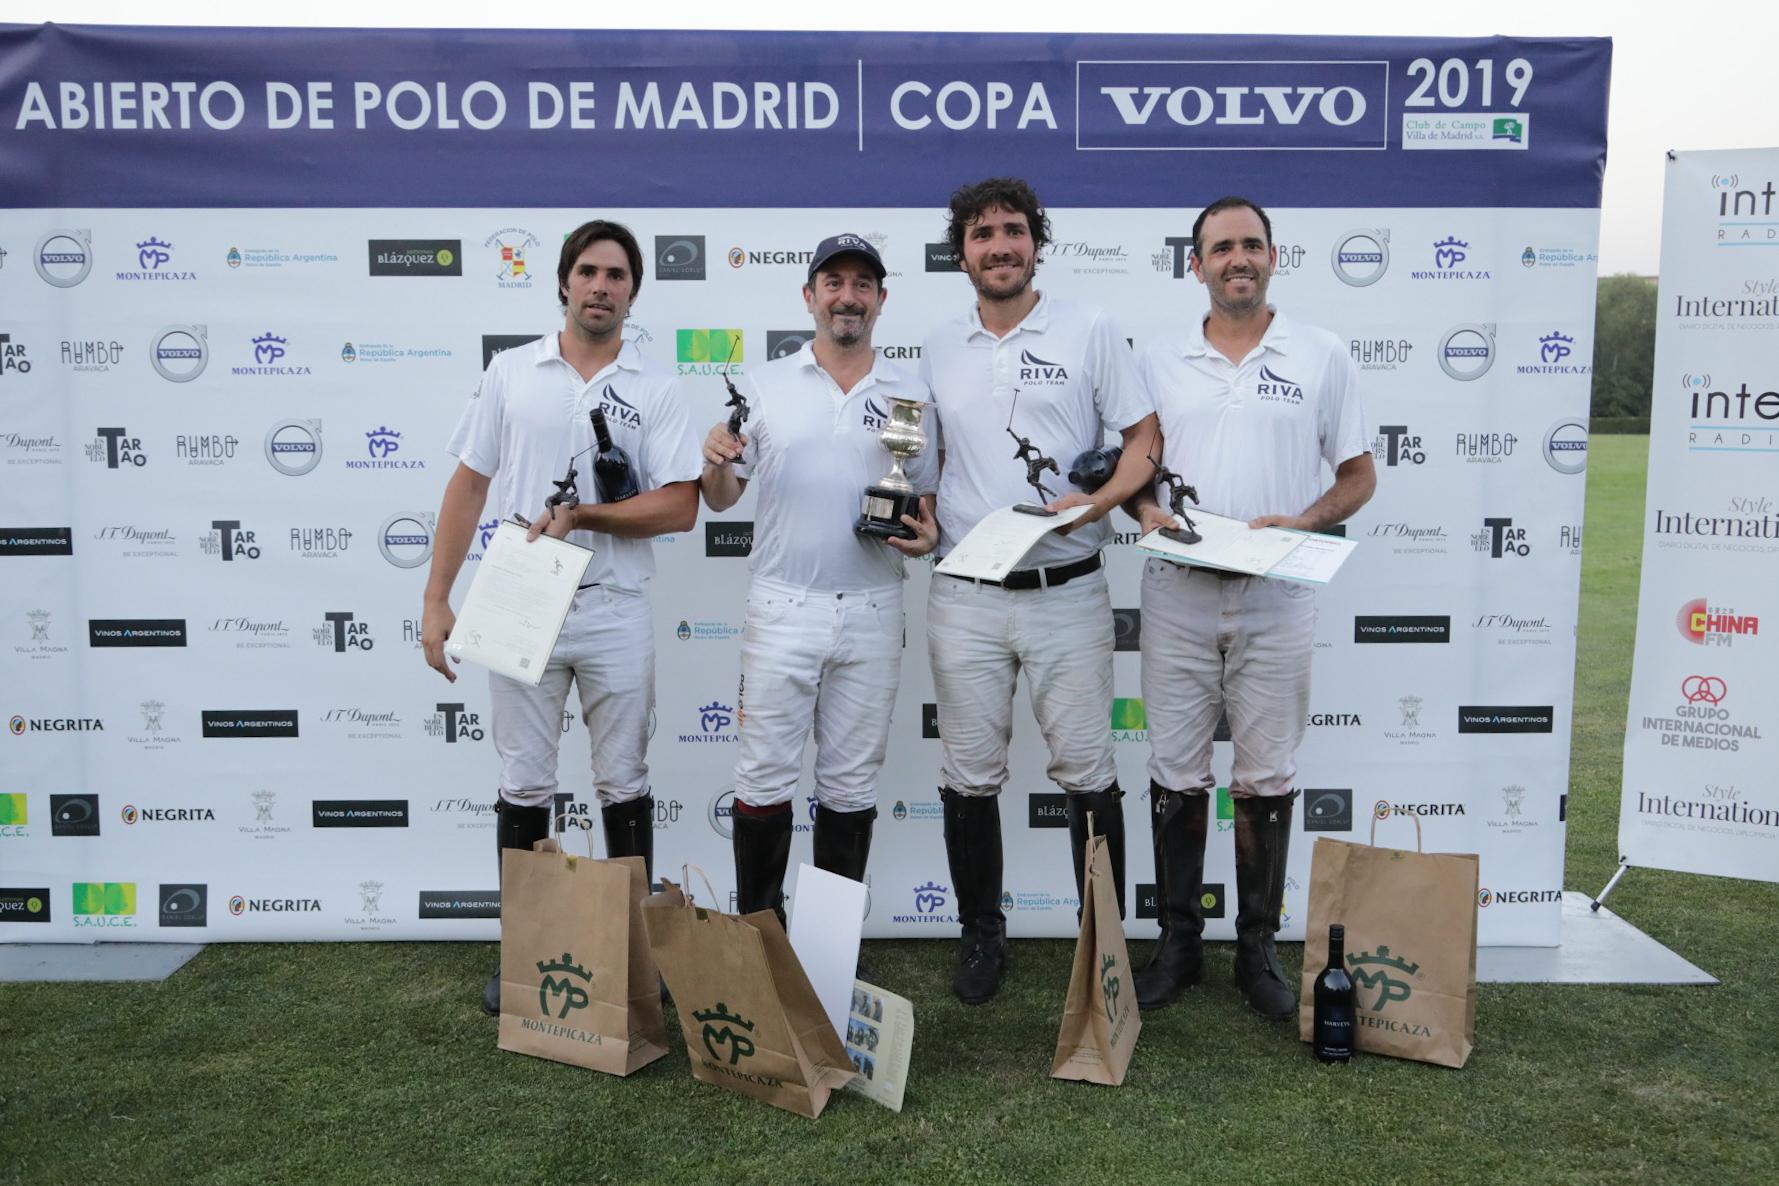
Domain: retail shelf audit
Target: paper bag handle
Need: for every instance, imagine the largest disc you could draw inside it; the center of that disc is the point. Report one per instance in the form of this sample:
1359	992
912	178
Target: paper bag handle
685	879
1415	818
556	829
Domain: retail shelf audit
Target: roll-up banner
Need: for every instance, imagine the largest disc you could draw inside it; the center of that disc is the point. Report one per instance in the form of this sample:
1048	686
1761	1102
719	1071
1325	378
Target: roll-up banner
1698	792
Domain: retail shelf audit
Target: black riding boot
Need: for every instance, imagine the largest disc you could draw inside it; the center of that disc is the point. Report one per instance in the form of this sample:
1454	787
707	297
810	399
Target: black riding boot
1262	839
843	840
630	832
762	849
1177	820
1108	821
973	849
515	826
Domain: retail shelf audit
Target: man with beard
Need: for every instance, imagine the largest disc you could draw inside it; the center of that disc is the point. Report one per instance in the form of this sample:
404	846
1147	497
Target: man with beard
1251	408
1057	375
520	430
822	645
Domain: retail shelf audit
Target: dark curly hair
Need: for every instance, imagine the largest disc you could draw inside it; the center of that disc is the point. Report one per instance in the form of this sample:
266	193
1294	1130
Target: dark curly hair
1009	193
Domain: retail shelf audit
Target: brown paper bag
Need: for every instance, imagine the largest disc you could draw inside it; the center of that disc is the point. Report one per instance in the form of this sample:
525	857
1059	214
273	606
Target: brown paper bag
577	982
752	1022
1099	1020
1410	921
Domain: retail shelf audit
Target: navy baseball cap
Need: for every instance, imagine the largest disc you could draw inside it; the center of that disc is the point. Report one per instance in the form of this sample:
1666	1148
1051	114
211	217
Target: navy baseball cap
835	245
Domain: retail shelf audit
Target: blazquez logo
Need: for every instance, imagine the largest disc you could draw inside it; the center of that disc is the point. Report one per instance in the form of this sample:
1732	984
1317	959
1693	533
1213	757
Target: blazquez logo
562	987
739	1044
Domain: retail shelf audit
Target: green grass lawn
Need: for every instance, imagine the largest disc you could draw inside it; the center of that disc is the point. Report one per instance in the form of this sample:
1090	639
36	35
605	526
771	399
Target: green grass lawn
373	1063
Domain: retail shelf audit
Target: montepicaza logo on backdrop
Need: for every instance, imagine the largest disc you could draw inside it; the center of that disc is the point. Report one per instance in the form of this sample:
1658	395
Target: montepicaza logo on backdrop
1554	351
557	989
732	1042
269	354
1378	971
153	259
1449	256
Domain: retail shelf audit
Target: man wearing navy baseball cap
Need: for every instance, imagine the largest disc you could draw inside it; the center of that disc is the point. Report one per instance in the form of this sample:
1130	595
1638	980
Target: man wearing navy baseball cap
822	645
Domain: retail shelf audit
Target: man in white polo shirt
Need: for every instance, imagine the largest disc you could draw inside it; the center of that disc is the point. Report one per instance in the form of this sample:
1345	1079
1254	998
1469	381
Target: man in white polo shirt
1059	375
822	646
1252	407
518	434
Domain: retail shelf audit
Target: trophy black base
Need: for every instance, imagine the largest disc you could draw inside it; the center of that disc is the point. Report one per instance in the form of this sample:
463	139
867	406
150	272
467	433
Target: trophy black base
1181	535
1032	508
881	516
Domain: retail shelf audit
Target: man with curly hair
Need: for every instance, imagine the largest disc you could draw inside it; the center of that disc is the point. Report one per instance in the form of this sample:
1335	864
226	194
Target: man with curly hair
1063	375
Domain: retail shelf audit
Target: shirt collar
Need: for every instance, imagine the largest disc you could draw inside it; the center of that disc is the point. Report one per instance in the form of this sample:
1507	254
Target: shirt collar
1276	338
1037	321
629	357
880	370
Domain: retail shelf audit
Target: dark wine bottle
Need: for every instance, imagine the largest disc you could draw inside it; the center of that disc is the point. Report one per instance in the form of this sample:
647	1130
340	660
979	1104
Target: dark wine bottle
1093	468
612	471
1332	1038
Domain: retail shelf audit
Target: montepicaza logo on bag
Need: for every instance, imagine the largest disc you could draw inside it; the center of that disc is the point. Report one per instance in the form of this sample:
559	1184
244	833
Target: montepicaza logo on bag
1373	971
562	987
1109	985
739	1044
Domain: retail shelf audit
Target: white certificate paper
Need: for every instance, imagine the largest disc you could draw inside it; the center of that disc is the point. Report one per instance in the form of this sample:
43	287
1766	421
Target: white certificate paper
517	603
827	921
1001	541
1276	552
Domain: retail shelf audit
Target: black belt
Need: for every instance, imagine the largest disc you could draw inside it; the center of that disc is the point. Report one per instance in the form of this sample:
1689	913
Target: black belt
1041	578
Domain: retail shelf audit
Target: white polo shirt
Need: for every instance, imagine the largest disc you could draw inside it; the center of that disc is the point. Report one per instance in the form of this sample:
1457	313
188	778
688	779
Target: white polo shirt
1252	436
530	416
1076	377
812	449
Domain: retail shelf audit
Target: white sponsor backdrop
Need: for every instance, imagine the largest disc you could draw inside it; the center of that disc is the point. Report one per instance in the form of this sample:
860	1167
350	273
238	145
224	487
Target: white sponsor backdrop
1698	791
122	819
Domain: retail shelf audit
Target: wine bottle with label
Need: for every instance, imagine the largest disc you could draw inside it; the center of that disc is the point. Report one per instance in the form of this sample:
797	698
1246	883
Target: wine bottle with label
612	471
1332	1035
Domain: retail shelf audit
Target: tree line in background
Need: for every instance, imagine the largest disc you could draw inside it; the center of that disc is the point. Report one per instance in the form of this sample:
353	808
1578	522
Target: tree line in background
1624	347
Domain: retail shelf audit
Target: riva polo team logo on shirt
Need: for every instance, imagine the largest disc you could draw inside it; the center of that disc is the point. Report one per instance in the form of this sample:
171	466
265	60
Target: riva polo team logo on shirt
1275	388
1040	372
618	409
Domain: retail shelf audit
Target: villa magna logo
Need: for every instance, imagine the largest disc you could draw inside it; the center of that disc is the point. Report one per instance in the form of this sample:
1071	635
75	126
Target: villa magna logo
1372	970
732	1040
